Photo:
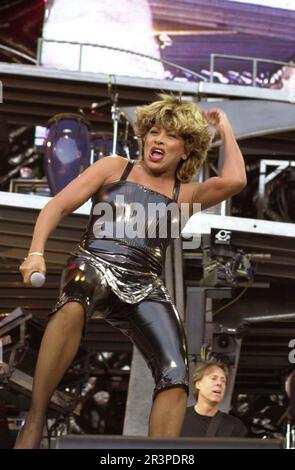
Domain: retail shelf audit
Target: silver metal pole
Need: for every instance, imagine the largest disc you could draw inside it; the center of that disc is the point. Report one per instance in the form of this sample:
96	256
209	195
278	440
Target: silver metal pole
80	57
115	136
39	50
288	436
115	118
18	53
264	318
212	57
254	76
91	156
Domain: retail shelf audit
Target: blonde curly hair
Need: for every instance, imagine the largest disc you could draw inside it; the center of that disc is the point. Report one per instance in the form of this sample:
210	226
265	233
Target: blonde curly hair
187	120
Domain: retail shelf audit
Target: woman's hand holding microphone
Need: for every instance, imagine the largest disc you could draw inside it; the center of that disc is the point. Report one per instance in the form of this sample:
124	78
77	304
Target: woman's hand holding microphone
33	269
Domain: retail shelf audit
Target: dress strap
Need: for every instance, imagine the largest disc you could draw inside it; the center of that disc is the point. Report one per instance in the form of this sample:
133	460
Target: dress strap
176	190
127	170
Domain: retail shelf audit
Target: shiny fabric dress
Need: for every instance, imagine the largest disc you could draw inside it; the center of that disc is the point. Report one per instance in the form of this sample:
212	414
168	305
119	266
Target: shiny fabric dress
115	273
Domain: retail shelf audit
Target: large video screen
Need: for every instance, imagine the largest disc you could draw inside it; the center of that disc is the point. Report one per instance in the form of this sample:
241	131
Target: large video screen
123	24
164	39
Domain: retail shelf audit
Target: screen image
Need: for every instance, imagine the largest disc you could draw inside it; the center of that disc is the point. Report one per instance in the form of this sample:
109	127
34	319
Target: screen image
126	24
151	38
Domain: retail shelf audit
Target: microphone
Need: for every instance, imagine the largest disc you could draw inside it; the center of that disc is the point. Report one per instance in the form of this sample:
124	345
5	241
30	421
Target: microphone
37	279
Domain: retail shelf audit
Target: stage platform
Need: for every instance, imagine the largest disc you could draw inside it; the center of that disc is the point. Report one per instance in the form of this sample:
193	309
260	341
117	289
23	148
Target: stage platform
131	442
42	92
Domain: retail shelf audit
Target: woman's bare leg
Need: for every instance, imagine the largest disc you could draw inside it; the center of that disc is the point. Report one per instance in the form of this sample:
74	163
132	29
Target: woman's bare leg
58	348
167	413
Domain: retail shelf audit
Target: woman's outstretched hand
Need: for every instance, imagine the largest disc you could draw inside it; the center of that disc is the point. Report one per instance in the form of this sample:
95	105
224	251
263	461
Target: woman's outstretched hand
31	264
217	118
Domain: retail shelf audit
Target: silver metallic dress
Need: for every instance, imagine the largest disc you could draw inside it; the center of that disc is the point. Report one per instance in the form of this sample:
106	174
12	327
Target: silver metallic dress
115	273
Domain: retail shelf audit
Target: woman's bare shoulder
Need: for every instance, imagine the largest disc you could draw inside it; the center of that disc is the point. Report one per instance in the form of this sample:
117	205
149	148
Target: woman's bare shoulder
113	166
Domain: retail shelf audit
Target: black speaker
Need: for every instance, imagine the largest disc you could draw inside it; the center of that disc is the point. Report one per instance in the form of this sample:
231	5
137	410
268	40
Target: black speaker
125	442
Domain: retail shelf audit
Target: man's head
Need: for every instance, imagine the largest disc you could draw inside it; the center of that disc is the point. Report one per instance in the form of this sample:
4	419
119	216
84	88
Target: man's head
209	380
187	120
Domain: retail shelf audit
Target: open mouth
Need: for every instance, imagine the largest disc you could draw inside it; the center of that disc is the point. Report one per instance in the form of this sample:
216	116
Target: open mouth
156	154
217	393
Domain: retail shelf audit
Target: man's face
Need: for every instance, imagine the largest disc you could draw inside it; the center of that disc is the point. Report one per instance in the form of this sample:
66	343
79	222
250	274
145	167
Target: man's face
212	386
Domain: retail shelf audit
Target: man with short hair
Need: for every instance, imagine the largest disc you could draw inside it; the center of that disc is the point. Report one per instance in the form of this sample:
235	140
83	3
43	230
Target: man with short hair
204	418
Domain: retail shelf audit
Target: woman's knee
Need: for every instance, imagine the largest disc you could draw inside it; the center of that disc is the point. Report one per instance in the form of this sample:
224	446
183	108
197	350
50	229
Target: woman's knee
70	316
173	376
177	393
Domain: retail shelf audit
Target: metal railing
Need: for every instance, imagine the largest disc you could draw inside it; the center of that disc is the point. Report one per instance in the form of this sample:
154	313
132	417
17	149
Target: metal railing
255	61
18	53
41	41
